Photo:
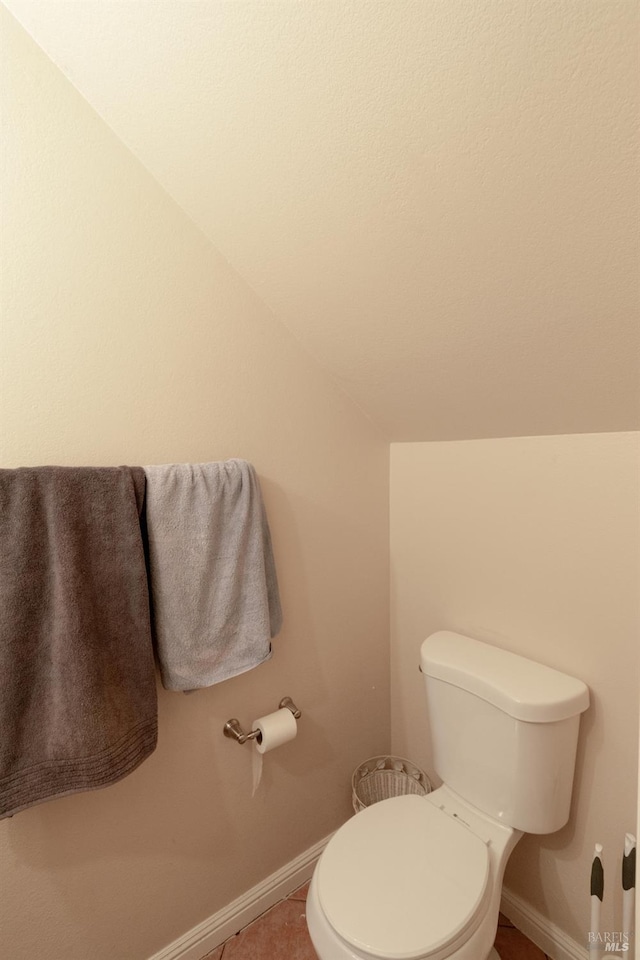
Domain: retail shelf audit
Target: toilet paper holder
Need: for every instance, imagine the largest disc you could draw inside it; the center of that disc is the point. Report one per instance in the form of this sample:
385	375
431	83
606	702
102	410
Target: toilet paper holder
233	729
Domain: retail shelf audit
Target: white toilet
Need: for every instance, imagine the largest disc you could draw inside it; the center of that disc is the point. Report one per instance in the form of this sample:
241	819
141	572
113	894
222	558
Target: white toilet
420	878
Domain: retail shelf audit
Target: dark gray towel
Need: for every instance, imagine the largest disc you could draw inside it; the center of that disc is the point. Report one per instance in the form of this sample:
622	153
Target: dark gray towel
213	579
77	681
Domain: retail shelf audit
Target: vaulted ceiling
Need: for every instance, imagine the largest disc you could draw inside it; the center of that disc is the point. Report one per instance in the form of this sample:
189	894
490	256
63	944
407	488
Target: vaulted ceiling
437	197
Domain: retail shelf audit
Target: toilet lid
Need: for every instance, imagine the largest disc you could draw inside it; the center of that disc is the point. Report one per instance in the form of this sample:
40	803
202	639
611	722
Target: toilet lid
402	879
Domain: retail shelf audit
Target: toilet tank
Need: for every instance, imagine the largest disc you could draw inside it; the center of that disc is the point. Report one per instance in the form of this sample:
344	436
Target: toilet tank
504	730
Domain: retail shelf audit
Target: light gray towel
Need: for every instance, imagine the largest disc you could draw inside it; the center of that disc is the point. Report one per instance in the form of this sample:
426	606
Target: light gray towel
214	591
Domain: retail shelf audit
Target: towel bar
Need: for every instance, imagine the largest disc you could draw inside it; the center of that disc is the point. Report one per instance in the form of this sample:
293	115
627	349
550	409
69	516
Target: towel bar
233	729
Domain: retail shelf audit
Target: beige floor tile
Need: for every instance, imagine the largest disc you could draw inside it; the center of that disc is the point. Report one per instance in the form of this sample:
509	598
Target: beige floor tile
301	892
280	934
504	921
513	945
216	955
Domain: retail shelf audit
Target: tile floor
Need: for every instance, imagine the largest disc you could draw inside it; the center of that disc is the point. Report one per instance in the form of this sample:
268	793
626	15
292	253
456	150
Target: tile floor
281	934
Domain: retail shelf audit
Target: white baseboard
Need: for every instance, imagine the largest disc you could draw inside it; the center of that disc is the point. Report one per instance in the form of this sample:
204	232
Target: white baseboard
206	936
545	934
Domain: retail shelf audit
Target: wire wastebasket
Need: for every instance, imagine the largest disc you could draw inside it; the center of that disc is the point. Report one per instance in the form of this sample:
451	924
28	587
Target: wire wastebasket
379	778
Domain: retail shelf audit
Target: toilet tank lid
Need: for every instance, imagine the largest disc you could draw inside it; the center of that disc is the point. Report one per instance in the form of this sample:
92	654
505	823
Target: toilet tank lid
520	687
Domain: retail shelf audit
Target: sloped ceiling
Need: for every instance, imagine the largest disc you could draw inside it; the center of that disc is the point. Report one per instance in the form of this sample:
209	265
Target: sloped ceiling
437	197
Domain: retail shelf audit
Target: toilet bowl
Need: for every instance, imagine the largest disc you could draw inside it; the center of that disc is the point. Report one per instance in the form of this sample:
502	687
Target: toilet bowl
410	878
420	878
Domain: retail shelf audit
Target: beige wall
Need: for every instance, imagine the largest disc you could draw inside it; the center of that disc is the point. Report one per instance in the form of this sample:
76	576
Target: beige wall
533	544
126	338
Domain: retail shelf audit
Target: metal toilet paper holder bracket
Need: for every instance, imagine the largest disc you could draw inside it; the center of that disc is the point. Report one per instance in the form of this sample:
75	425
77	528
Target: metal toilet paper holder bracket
233	729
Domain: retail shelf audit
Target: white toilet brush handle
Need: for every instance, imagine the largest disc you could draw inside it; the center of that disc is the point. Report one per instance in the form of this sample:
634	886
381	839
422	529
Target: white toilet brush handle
628	886
597	894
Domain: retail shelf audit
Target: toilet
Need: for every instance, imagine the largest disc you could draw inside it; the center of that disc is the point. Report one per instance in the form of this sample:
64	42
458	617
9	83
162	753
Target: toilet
420	878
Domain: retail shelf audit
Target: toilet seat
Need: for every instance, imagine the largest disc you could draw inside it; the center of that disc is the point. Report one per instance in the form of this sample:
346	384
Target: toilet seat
403	879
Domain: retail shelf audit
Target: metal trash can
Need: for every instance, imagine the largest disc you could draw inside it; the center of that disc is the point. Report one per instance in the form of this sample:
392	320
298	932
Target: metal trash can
379	778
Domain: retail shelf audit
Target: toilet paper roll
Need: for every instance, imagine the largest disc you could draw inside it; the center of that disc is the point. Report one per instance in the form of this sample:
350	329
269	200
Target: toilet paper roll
275	729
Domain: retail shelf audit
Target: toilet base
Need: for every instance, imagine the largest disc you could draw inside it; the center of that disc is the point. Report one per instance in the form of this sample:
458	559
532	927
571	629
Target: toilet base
494	955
